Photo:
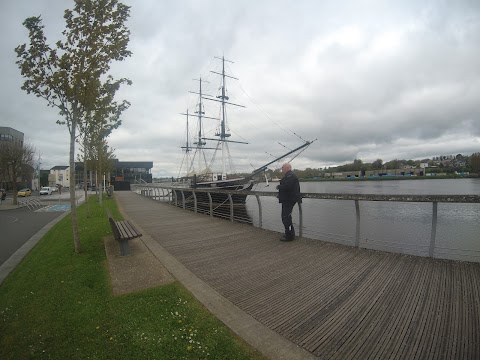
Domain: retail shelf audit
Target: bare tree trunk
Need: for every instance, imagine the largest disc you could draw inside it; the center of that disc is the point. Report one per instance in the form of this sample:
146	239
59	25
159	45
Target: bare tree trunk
85	183
100	155
85	151
14	184
73	205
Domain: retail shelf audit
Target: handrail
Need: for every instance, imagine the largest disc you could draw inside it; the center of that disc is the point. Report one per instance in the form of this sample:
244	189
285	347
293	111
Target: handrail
434	199
334	196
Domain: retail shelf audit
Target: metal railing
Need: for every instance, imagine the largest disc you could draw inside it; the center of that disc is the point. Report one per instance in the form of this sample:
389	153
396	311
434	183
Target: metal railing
188	199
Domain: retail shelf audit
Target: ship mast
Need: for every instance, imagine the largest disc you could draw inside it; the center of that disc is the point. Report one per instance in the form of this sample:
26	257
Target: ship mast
187	148
223	134
200	143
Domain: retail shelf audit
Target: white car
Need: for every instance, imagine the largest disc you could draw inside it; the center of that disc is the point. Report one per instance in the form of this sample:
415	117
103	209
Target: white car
46	190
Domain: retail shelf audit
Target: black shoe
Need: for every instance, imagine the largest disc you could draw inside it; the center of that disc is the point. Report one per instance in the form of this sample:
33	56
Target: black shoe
292	233
286	238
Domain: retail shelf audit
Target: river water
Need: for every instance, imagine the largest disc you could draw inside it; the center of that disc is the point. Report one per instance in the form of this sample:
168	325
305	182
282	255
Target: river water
386	226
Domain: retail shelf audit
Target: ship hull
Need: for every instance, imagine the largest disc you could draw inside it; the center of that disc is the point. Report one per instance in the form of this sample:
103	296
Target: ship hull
220	203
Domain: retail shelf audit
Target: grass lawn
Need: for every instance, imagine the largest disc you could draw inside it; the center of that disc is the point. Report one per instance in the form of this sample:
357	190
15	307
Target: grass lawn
58	305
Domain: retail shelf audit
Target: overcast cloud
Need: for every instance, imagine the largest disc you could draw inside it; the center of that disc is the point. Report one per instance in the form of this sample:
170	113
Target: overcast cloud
368	79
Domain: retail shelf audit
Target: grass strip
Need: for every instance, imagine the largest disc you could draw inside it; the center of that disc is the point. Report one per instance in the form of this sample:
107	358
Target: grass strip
58	305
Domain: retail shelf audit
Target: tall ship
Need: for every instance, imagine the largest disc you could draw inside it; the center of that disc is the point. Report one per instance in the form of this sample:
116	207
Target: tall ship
196	171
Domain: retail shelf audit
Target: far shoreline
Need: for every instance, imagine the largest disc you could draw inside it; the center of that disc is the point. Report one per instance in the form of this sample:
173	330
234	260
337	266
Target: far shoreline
389	178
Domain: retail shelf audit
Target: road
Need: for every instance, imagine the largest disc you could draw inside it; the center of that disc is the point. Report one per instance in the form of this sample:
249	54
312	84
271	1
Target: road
18	225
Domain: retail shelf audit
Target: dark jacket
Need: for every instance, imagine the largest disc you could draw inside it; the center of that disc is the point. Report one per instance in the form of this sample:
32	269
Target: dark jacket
289	189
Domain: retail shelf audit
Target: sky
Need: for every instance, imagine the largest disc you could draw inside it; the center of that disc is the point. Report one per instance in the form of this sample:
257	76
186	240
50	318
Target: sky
366	79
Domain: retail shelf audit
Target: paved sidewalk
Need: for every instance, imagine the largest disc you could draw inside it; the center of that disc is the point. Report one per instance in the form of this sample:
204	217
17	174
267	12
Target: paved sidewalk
7	204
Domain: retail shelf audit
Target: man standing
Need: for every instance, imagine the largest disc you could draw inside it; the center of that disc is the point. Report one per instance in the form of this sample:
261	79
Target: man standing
288	196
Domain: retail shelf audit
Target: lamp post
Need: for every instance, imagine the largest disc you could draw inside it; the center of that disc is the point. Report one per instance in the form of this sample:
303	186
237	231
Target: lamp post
39	179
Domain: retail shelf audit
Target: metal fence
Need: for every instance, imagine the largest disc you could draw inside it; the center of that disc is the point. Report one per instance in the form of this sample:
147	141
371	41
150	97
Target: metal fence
261	211
31	204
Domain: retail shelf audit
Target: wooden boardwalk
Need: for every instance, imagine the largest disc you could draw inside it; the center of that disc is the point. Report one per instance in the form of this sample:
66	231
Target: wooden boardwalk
334	301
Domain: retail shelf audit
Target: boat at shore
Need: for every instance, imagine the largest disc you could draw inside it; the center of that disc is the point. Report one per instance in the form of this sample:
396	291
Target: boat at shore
198	174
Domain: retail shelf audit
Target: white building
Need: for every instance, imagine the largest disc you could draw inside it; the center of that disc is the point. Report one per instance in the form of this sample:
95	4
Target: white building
59	175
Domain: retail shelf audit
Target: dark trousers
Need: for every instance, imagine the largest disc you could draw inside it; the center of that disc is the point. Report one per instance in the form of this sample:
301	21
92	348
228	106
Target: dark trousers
287	208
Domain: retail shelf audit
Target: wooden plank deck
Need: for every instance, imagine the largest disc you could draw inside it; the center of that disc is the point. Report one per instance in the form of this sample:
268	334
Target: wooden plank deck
334	301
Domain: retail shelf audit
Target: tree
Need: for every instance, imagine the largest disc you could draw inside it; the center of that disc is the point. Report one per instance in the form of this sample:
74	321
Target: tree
101	120
16	159
69	76
475	163
357	164
377	164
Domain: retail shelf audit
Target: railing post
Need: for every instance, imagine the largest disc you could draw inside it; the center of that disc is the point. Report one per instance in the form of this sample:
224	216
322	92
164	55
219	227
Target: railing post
434	230
210	203
183	199
259	211
194	201
300	219
231	206
357	228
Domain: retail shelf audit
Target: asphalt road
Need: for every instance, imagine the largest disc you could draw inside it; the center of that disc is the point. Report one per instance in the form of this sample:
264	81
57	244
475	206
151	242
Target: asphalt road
19	225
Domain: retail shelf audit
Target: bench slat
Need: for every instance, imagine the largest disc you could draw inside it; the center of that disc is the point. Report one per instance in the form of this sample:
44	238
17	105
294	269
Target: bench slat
127	231
121	228
132	229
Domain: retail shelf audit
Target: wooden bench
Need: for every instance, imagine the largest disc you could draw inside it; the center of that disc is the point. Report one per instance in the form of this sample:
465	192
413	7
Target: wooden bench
122	232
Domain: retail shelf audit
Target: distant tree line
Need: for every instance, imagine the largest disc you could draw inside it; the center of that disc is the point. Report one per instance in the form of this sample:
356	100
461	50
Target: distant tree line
441	164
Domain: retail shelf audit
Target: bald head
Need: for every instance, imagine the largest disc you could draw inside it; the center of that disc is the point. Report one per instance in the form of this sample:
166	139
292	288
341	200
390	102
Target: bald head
286	168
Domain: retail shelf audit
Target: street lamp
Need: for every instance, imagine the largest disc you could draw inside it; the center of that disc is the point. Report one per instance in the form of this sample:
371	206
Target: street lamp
38	168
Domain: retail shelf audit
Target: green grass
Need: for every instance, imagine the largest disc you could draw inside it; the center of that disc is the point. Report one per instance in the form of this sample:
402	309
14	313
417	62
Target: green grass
58	305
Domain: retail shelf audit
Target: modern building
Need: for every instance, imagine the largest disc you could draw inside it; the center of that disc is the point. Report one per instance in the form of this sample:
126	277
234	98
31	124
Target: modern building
134	172
9	134
25	176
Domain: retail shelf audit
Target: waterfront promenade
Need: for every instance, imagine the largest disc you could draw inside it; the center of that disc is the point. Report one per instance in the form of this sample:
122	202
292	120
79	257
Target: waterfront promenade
307	298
